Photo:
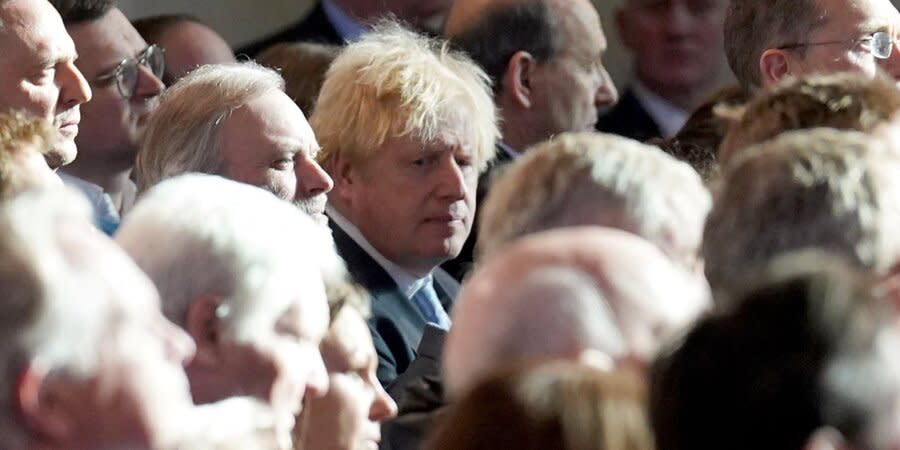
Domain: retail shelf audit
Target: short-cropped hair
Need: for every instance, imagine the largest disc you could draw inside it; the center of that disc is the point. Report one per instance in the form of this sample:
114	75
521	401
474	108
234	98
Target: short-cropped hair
806	347
507	28
74	12
394	82
846	101
752	26
199	234
818	188
182	135
17	131
595	179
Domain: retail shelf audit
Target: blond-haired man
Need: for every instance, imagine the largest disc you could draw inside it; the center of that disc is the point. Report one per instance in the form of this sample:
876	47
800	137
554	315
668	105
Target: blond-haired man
405	125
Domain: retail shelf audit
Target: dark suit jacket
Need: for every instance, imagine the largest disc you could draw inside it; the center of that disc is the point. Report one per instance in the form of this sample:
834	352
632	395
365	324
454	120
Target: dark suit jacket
315	27
396	324
628	118
419	393
460	266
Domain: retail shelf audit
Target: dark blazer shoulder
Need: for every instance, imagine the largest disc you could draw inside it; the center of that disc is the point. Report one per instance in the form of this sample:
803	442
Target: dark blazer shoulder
628	118
396	324
314	27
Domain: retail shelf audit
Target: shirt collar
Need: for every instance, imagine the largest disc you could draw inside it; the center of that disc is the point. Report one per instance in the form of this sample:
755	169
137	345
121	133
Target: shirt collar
406	281
346	25
511	152
667	116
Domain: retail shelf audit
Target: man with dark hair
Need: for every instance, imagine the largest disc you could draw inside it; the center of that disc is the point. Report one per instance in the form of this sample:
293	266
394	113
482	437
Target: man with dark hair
544	58
677	48
189	43
124	74
767	40
806	360
38	73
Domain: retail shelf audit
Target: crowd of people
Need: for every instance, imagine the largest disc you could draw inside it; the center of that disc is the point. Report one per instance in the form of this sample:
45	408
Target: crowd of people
437	225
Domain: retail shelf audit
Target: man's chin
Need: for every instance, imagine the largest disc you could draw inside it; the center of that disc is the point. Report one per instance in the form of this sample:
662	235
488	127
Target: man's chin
62	154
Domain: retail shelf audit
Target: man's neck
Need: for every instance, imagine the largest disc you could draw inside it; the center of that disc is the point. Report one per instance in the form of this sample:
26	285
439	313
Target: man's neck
343	217
114	181
686	98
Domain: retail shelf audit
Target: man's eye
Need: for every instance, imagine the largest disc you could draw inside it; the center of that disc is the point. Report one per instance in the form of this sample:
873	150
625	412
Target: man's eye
46	74
283	164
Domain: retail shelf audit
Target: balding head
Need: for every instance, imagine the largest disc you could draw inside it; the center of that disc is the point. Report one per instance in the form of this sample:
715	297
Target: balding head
647	297
545	63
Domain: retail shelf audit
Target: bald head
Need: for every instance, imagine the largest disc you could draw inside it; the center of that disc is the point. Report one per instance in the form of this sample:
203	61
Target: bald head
643	298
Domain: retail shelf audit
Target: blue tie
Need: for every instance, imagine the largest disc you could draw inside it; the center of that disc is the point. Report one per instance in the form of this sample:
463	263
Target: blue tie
426	300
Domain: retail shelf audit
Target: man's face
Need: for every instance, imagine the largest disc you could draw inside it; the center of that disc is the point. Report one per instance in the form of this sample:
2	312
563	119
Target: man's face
281	365
268	143
349	416
414	201
38	73
571	87
675	42
190	45
139	393
849	21
112	125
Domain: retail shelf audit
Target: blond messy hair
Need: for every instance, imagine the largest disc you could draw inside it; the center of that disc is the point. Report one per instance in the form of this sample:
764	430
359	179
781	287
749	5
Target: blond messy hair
18	130
595	179
183	133
395	82
819	188
846	101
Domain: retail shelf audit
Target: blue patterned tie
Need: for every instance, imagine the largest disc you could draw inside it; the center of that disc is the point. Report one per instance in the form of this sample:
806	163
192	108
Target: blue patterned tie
426	300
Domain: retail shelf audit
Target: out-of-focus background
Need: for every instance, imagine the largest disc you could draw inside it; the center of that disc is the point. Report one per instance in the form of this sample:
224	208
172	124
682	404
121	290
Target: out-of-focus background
242	21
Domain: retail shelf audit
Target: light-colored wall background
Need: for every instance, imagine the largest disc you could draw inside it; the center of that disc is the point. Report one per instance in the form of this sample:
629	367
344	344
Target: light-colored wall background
241	21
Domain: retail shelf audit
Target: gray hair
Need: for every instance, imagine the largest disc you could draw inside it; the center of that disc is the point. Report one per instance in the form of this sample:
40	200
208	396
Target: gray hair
817	188
51	311
200	235
596	179
183	133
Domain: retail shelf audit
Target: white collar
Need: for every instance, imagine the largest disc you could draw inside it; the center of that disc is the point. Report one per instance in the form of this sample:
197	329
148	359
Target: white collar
668	117
406	281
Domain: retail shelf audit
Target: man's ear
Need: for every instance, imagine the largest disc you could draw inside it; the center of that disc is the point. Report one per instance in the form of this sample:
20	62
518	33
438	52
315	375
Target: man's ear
203	324
41	405
774	64
345	176
517	80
